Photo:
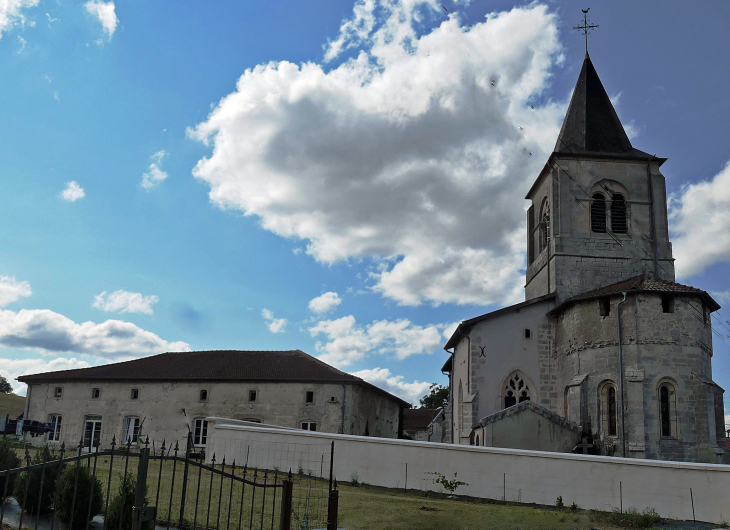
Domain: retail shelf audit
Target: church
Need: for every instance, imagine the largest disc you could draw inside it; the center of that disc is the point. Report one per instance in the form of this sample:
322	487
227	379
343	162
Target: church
607	354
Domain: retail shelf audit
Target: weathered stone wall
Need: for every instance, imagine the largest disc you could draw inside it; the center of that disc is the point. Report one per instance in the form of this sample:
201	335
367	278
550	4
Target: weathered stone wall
168	409
657	346
581	260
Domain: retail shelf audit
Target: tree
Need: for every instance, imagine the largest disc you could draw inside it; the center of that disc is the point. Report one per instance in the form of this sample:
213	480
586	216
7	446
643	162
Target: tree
5	387
437	397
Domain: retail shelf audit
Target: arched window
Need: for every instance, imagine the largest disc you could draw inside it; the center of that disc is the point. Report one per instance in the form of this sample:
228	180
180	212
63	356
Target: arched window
609	409
544	224
516	391
598	213
668	410
477	443
619	223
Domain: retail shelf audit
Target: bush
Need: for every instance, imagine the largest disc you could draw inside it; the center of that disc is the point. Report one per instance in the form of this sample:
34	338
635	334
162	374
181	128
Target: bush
125	495
29	501
9	459
88	485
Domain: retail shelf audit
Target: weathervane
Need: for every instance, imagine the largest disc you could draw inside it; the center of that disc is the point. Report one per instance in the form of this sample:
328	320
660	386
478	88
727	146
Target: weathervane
587	26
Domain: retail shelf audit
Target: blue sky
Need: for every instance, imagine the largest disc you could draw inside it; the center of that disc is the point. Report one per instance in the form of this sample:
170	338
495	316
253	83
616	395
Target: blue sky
345	179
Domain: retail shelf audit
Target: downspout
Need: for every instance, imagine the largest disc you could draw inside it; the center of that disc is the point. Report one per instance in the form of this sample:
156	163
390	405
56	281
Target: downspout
621	375
652	224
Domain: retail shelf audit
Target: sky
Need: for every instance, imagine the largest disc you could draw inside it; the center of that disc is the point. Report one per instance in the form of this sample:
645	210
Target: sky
343	178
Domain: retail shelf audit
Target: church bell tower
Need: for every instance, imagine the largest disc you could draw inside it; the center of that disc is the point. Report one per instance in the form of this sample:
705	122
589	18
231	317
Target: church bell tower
598	209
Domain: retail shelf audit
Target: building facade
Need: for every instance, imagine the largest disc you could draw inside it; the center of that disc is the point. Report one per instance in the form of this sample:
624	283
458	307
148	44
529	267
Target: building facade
606	340
167	396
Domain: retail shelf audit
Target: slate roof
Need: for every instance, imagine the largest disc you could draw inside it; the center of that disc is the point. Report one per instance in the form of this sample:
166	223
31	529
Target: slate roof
214	365
591	125
640	284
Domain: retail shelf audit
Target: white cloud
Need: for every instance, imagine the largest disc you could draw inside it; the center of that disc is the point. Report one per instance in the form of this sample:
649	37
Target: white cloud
721	296
348	342
10	13
155	175
276	325
11	290
699	217
73	191
122	301
325	302
410	153
12	368
104	11
394	384
51	332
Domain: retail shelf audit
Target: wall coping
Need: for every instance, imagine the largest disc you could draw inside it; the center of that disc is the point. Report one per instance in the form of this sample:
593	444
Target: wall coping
222	423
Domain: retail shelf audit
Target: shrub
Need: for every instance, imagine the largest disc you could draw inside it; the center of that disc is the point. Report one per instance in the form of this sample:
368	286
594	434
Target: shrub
88	486
8	460
448	485
559	502
29	501
125	495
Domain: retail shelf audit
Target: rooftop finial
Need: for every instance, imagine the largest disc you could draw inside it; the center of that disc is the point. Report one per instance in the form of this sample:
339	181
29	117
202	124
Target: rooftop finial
587	26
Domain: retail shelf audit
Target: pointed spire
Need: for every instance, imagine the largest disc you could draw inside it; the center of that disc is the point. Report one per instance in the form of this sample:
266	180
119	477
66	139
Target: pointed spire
591	124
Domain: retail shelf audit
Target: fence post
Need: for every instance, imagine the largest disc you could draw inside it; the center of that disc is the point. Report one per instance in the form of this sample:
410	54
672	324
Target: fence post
332	508
332	462
138	512
185	479
286	498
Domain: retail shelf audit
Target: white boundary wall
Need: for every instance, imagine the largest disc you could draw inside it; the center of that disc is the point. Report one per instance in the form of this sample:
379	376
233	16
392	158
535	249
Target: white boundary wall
595	482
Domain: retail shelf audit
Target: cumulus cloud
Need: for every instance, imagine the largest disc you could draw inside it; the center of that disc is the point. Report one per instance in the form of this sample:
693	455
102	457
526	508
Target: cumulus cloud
395	384
104	11
416	153
12	290
125	302
699	215
155	175
348	342
11	13
325	302
51	332
73	191
276	325
12	368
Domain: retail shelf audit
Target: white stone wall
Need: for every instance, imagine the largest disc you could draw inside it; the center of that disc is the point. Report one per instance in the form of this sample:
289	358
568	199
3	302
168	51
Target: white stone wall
498	348
595	482
168	409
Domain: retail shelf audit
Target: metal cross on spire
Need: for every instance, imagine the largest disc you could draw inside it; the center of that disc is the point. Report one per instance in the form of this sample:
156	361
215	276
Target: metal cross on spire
587	26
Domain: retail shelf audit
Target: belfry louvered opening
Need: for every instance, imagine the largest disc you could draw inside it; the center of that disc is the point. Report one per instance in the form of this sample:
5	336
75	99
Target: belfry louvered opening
598	213
619	224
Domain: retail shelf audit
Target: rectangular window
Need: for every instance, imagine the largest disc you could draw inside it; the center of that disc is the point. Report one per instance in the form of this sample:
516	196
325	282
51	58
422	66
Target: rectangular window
200	431
309	425
135	393
310	396
92	433
131	429
604	306
95	393
667	303
252	395
55	421
203	395
58	392
528	333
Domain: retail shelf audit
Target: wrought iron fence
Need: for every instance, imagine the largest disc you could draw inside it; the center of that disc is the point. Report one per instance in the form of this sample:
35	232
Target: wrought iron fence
114	488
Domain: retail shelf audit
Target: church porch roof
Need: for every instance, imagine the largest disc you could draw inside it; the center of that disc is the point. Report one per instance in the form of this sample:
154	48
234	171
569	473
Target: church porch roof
640	284
534	407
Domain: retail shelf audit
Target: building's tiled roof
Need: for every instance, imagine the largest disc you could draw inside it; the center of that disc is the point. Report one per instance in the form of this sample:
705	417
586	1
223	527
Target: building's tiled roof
418	419
641	284
216	365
